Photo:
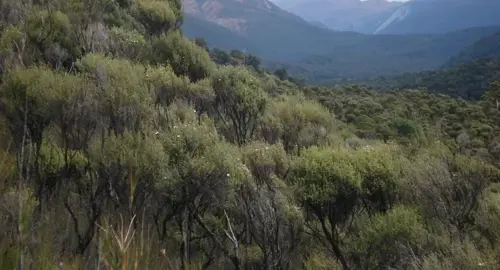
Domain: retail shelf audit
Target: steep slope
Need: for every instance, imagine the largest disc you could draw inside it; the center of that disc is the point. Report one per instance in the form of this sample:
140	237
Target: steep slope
236	15
486	47
216	35
279	33
440	16
384	55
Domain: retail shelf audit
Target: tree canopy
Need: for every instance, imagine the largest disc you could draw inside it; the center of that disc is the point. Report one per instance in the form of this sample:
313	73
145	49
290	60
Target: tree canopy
125	145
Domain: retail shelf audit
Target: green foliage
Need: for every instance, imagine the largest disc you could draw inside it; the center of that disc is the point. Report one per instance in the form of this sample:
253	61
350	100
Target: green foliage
52	35
127	43
123	90
185	57
52	159
492	95
319	260
154	156
131	154
157	16
195	150
266	162
391	239
29	86
10	40
298	122
381	170
326	176
240	101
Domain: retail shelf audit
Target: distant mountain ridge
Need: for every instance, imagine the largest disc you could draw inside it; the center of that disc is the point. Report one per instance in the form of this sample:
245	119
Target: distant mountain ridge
343	15
280	38
441	16
383	17
234	14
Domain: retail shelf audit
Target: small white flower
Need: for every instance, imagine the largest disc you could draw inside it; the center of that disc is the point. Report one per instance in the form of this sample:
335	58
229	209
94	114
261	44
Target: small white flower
178	136
228	175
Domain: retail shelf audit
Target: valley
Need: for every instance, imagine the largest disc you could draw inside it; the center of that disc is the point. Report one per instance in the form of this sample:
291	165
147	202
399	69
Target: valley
282	39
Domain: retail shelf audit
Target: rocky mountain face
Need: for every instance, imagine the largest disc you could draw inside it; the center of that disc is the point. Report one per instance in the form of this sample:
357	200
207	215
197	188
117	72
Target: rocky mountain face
233	14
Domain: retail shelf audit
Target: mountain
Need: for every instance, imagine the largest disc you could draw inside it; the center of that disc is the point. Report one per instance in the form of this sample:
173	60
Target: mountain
238	15
486	47
283	39
220	36
440	16
344	15
384	17
278	33
377	55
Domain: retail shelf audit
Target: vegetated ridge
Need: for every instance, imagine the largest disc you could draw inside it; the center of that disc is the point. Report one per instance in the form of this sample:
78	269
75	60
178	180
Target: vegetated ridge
485	47
468	81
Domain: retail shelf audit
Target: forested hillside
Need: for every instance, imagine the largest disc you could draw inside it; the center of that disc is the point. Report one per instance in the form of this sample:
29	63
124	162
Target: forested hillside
486	47
468	81
383	55
125	145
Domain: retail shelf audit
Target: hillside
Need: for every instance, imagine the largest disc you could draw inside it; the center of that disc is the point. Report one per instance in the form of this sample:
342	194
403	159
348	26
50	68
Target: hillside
385	55
488	46
217	35
238	15
261	22
468	81
124	146
282	39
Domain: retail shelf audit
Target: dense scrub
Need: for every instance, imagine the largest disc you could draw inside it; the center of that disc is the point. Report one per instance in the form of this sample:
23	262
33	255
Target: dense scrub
468	81
124	146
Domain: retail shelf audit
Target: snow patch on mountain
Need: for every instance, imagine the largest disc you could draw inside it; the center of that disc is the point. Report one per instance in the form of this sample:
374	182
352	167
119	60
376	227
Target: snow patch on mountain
399	15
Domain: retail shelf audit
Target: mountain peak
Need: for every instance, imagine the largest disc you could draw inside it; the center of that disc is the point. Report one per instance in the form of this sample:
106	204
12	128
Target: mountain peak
231	14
